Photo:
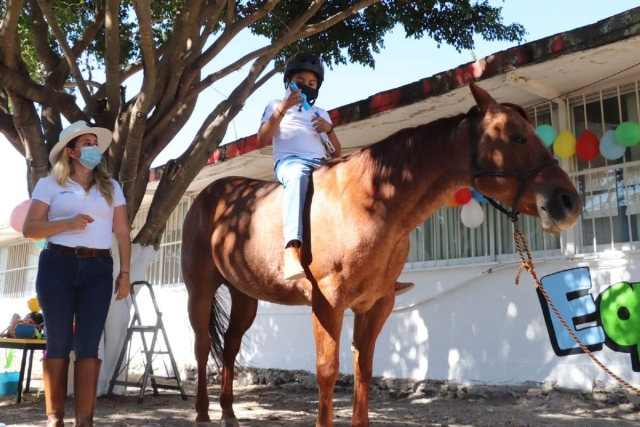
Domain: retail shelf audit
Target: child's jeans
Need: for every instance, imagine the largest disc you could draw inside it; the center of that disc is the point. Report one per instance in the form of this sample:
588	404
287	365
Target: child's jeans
74	288
294	173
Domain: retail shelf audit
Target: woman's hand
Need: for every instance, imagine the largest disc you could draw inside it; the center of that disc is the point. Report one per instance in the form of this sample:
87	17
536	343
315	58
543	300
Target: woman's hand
123	286
321	125
79	222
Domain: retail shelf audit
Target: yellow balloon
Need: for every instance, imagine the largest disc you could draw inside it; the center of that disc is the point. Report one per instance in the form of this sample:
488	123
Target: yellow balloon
565	144
33	305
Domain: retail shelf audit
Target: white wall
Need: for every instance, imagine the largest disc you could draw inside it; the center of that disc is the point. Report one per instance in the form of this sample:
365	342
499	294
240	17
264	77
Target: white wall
459	324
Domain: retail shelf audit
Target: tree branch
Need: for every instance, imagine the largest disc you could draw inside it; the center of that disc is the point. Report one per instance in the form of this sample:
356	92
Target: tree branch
9	47
175	46
174	182
112	58
223	40
280	43
44	96
231	12
47	56
92	108
8	129
143	104
90	33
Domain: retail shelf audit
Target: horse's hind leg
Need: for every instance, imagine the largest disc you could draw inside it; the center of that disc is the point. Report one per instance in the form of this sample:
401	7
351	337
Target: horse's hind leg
202	284
243	313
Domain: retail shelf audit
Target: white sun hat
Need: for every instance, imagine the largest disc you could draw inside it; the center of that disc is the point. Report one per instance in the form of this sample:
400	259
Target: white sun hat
76	129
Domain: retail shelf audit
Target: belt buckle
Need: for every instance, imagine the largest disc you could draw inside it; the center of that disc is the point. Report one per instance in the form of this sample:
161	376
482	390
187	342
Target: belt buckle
77	251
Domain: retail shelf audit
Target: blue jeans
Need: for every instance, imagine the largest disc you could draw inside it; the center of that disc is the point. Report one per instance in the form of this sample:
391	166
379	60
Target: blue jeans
293	173
74	288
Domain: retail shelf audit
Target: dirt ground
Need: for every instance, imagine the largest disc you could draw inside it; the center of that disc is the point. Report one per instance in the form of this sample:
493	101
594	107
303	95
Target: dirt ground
290	398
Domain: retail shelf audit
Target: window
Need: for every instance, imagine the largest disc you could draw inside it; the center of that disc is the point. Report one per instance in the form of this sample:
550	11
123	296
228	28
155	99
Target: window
166	270
610	189
18	269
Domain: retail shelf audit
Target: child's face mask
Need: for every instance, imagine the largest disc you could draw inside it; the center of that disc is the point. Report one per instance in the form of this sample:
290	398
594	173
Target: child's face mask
310	92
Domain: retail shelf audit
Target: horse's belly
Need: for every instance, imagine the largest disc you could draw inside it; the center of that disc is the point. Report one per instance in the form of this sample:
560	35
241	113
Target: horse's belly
265	288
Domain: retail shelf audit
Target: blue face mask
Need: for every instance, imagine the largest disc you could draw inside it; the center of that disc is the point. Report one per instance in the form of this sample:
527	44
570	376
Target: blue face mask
90	157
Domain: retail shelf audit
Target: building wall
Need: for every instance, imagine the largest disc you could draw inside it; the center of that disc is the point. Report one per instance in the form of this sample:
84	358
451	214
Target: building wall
467	325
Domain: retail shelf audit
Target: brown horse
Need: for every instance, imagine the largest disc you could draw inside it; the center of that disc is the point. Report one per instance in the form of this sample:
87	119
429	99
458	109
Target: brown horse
360	212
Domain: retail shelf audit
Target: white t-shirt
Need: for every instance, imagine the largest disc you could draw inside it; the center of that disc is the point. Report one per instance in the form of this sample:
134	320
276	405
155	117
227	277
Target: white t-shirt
296	135
70	200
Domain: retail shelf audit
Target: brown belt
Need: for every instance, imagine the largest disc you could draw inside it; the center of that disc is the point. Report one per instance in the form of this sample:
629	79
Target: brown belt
79	251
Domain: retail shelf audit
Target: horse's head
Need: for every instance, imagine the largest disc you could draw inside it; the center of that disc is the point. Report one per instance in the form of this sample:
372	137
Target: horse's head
510	155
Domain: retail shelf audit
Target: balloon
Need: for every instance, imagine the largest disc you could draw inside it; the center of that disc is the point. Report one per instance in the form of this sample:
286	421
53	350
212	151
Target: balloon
565	144
452	202
587	146
609	148
628	134
477	196
547	134
462	196
18	214
40	243
34	305
472	214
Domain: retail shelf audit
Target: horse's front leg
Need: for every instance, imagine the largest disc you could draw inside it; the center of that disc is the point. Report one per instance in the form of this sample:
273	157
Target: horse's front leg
366	328
327	320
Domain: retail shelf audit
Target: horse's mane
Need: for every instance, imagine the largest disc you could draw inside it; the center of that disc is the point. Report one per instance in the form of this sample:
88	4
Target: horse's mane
393	159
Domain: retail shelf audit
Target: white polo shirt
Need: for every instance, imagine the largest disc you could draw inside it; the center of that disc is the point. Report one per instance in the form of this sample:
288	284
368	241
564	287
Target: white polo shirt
70	200
296	135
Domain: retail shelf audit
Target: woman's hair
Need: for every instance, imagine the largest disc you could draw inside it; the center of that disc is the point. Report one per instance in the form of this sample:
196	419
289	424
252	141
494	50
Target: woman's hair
99	176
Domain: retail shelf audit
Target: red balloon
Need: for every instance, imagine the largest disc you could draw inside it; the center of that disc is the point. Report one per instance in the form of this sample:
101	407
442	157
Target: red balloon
587	146
18	215
463	196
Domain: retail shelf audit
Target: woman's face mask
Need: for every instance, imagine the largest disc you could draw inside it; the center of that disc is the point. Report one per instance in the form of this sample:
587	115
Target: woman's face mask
90	157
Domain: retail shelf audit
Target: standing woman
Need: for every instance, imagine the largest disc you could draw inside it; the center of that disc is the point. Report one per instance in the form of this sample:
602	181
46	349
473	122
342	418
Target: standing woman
76	208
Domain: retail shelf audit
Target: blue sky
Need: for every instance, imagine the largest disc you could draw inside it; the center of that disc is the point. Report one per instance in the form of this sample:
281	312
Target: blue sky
401	62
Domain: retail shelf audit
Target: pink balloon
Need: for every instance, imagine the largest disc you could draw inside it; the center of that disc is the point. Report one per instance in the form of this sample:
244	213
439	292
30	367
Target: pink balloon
18	215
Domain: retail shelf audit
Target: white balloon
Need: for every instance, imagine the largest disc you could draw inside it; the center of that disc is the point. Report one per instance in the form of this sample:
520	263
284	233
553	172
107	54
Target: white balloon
472	214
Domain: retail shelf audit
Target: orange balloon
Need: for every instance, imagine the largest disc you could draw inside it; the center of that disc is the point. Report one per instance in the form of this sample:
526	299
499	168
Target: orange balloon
18	215
452	202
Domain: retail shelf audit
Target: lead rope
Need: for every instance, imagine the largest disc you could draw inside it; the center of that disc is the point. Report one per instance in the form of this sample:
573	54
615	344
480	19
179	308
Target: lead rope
526	263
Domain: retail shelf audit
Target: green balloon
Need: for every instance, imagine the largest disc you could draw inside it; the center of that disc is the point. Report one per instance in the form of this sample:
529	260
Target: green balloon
547	134
628	134
620	314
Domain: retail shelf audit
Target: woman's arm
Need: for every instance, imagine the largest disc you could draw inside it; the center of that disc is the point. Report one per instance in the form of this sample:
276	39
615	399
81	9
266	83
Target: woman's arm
37	226
123	237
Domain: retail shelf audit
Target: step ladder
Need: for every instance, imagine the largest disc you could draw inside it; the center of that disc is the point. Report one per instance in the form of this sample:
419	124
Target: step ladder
149	352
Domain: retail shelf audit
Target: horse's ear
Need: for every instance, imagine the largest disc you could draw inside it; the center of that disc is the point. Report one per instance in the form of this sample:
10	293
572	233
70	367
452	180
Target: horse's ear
482	97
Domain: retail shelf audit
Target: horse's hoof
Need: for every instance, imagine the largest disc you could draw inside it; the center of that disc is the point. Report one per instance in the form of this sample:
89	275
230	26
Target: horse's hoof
229	422
203	418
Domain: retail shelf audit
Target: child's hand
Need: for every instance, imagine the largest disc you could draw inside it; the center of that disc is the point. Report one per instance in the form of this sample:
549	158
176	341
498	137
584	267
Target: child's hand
293	100
321	125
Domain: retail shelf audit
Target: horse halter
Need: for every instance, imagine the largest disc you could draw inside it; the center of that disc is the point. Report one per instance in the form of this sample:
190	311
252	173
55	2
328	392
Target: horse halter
523	175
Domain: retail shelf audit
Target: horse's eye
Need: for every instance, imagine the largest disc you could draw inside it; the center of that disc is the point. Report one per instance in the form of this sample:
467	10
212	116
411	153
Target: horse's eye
518	138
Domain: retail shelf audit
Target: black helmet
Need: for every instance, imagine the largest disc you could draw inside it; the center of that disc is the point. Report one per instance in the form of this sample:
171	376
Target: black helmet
304	62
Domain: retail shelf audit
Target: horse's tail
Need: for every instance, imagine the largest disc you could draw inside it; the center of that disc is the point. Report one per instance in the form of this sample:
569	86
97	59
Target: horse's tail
218	323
